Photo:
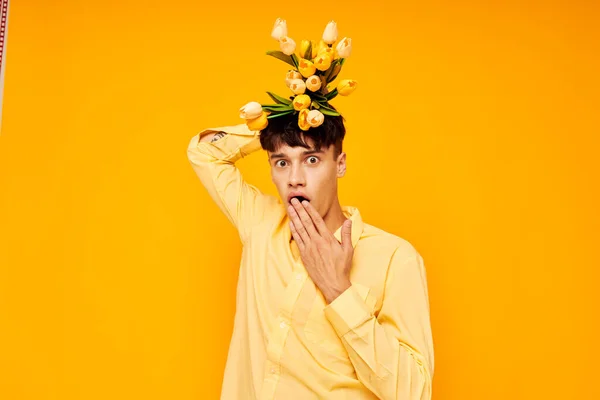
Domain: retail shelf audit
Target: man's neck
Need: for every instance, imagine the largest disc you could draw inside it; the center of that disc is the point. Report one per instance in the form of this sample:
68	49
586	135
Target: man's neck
334	217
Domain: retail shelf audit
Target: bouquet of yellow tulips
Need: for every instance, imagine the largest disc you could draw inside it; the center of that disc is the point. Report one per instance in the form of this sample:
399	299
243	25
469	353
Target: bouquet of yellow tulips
315	65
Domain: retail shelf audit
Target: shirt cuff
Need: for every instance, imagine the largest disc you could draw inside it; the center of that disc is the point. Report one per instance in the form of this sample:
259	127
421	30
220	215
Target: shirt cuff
238	143
347	311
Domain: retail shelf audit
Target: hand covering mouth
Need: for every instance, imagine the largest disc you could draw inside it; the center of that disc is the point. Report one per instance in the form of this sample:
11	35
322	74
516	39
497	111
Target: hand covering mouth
299	197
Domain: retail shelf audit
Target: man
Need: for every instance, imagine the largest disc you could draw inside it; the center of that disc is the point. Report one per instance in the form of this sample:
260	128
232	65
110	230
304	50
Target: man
328	306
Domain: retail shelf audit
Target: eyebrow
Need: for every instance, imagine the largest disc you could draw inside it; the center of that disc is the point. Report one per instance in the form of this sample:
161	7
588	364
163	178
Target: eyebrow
304	153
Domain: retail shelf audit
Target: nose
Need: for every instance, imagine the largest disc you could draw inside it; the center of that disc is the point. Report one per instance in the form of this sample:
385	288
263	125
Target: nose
296	177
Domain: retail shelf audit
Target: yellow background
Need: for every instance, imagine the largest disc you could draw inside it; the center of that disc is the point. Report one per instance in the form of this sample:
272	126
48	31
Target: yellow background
473	134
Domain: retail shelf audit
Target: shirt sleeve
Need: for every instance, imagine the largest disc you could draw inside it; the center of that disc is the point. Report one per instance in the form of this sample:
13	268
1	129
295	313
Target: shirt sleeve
214	163
393	352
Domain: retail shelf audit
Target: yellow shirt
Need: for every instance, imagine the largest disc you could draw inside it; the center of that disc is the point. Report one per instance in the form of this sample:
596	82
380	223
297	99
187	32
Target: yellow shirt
373	341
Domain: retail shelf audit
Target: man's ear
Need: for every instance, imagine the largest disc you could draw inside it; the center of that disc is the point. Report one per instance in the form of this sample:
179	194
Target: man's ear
341	165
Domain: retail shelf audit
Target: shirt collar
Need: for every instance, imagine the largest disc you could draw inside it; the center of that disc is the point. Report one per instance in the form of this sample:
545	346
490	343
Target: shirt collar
357	224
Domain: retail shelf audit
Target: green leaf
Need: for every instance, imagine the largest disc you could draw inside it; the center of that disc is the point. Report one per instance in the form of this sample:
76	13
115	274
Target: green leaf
315	104
323	84
334	73
294	58
327	107
318	96
307	55
277	108
329	70
276	105
281	56
331	94
280	114
278	99
330	113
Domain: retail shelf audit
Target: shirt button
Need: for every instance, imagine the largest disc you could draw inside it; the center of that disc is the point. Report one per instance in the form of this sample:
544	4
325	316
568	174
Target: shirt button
273	370
298	277
282	325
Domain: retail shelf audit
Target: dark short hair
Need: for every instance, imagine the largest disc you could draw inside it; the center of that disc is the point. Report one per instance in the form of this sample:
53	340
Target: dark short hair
285	130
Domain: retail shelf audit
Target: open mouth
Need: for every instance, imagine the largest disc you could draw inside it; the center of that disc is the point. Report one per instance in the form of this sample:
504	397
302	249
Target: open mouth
300	198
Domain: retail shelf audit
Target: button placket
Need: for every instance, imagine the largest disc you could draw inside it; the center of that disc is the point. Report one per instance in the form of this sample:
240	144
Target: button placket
281	330
273	370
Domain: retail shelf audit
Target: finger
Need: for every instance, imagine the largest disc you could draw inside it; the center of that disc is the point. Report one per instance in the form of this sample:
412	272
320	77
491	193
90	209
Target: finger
347	235
316	219
297	237
309	226
300	229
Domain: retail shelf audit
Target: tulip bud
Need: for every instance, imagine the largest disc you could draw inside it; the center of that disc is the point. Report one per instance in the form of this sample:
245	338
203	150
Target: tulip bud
303	48
298	86
291	75
314	51
301	102
287	45
318	48
259	123
302	122
279	29
307	68
331	33
322	62
328	51
315	118
251	110
346	86
313	83
344	48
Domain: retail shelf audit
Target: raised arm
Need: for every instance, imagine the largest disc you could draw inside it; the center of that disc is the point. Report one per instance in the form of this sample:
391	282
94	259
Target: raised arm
213	154
211	136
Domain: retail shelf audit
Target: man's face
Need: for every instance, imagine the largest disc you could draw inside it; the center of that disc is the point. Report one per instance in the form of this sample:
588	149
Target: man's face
309	173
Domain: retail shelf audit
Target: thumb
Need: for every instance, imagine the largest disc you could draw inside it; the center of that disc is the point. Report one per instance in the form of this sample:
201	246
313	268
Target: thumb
347	234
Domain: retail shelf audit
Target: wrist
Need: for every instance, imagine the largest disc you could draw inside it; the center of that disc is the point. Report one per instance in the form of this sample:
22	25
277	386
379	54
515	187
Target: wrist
334	291
211	136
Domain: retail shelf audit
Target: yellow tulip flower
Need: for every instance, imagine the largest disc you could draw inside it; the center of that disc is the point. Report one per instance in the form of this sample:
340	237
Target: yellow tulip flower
306	68
323	62
346	86
329	51
303	48
302	120
259	123
315	118
301	102
319	47
313	83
